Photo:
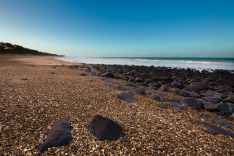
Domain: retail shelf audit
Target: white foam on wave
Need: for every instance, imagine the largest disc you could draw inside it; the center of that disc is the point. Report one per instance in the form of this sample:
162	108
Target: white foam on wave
193	64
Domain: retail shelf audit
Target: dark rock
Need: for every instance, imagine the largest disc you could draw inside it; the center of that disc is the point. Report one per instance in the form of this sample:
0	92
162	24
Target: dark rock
223	122
163	106
196	79
131	84
229	99
138	79
158	96
129	97
105	79
173	100
224	89
72	85
88	69
199	86
209	106
163	88
192	102
225	96
213	84
148	80
109	75
118	76
188	88
214	130
226	108
83	74
206	116
202	101
125	78
74	67
213	99
119	87
140	91
153	86
131	79
104	128
52	72
211	93
24	78
176	84
232	114
221	90
59	135
176	90
144	84
178	105
210	79
189	94
149	88
93	73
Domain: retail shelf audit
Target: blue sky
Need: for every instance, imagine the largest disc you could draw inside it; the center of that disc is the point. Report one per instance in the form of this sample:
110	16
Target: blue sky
170	28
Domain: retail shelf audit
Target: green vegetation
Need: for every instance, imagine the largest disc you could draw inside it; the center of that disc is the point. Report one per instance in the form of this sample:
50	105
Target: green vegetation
8	48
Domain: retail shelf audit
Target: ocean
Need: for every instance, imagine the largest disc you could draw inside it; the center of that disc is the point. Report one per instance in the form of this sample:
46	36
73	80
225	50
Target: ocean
173	62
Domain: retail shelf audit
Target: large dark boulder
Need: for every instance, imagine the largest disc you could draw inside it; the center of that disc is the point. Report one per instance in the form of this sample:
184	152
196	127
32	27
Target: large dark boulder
214	130
129	97
192	102
226	108
209	106
59	135
199	86
104	128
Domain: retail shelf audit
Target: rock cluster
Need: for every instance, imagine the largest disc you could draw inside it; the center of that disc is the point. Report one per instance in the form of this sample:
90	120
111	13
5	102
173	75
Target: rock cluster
101	127
209	90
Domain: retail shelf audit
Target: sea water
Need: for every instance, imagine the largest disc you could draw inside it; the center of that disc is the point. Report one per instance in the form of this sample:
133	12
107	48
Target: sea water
174	62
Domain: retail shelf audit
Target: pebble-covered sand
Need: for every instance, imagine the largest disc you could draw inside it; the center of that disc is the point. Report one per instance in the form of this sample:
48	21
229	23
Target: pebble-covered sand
32	97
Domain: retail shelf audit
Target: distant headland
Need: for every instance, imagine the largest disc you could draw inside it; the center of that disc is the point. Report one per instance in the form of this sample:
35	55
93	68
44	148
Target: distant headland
8	48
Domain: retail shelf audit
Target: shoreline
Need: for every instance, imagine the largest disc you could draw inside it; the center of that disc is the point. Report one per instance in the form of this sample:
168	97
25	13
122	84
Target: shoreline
159	121
12	59
194	63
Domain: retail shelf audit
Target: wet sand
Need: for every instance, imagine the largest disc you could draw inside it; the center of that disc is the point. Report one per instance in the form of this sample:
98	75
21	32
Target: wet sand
34	93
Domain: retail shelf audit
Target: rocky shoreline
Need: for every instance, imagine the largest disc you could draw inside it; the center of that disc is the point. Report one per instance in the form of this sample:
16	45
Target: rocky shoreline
212	91
86	109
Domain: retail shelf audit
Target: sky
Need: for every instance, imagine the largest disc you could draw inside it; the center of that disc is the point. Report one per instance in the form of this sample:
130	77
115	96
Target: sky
121	28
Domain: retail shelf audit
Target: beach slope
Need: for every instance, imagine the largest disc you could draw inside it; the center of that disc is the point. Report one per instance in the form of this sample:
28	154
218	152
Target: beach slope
37	91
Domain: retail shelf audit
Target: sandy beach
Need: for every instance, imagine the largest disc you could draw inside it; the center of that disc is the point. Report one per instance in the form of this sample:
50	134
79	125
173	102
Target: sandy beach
37	91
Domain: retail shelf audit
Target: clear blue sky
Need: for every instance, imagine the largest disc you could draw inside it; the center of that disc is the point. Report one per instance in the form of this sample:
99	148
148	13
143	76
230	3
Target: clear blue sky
170	28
